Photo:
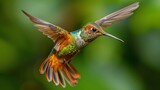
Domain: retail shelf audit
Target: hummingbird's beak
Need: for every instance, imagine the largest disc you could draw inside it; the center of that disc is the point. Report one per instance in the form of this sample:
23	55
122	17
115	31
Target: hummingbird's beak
107	34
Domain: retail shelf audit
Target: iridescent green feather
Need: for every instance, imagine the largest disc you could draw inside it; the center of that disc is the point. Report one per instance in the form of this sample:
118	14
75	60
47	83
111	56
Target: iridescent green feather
69	49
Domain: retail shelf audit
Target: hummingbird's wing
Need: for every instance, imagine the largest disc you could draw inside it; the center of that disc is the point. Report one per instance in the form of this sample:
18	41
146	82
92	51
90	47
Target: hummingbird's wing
52	31
118	15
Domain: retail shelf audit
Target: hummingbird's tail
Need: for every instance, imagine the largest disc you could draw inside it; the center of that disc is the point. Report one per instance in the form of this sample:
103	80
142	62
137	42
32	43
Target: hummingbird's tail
58	72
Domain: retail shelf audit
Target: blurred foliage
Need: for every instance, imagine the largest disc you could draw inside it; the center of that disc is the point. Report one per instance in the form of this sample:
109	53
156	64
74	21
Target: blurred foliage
105	64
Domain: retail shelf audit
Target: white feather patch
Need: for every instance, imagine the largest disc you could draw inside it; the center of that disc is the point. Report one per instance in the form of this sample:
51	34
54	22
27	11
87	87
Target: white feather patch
79	41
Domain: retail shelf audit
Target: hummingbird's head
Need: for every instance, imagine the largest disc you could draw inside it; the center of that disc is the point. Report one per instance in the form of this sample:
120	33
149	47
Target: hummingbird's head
93	30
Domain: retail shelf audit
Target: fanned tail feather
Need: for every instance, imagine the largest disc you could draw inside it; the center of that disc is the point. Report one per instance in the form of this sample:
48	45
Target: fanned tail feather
58	72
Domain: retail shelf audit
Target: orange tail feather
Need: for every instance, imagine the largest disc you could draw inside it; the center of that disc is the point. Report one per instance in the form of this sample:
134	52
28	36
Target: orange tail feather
58	72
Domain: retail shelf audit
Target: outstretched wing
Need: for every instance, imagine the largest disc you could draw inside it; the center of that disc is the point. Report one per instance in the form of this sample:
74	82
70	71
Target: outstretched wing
118	15
52	31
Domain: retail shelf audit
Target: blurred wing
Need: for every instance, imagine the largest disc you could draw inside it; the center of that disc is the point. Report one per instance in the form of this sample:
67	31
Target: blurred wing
118	15
52	31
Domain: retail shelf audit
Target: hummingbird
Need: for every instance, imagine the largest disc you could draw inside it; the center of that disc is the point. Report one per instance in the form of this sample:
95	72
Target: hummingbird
57	67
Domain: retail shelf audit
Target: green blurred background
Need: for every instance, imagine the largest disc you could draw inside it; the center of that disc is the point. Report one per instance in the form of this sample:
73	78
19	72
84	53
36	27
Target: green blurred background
105	64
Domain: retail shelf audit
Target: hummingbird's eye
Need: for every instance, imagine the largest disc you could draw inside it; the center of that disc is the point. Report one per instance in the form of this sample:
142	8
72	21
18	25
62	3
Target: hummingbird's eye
94	29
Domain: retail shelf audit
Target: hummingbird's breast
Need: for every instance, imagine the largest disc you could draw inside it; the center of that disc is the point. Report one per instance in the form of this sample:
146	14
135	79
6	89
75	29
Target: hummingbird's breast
79	41
66	47
70	45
